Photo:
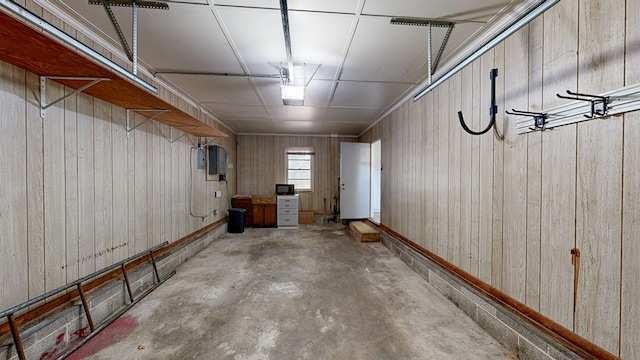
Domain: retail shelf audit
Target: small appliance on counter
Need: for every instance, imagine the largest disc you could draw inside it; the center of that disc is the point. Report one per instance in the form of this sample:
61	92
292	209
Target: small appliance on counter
285	189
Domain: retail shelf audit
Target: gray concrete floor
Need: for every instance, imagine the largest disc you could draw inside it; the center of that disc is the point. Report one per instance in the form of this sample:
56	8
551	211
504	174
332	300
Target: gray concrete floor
313	293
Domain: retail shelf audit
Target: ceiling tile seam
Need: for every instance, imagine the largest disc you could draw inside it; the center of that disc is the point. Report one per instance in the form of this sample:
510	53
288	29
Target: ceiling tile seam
117	52
241	62
345	52
370	15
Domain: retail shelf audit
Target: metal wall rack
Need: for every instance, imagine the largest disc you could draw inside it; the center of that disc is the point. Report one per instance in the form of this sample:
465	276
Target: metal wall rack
584	107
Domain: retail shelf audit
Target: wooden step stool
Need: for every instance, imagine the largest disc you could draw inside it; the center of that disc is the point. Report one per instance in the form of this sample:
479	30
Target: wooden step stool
364	232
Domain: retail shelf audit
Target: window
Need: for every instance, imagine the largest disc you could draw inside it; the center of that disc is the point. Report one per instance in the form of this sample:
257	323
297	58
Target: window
300	168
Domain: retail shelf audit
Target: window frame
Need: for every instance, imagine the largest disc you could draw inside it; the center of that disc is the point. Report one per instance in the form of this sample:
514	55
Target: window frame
300	151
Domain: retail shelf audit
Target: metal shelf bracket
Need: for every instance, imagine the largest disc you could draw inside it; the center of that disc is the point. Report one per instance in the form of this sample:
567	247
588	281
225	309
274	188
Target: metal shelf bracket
130	128
43	90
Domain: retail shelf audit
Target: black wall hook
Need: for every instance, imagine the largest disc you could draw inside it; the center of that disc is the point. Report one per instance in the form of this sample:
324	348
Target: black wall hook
599	104
539	119
493	110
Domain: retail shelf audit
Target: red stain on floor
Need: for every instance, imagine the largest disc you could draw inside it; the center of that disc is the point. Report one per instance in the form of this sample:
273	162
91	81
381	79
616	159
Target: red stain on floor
112	334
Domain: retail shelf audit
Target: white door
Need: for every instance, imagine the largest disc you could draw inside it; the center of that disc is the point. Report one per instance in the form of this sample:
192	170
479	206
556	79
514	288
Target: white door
355	180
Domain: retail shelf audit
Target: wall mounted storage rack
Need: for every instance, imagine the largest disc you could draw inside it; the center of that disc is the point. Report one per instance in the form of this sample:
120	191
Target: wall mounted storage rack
584	107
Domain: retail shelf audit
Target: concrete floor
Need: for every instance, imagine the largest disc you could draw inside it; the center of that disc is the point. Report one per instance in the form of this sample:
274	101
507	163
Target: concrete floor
313	293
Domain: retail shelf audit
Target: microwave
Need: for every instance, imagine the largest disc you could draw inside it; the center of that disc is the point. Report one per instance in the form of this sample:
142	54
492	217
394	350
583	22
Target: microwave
285	189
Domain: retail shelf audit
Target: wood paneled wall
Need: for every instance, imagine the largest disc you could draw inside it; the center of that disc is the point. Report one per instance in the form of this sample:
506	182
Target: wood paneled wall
510	211
78	194
261	165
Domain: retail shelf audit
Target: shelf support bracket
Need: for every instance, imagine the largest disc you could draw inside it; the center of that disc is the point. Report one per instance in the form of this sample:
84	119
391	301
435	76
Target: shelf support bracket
185	133
130	128
43	90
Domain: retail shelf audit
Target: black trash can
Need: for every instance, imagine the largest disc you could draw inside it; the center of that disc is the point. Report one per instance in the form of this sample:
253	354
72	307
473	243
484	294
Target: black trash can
236	220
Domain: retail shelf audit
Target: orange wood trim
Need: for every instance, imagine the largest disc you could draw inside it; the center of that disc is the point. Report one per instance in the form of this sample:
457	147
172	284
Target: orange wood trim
566	337
115	274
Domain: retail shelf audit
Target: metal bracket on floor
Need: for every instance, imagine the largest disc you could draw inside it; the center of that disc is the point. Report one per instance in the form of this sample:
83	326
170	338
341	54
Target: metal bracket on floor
43	89
130	128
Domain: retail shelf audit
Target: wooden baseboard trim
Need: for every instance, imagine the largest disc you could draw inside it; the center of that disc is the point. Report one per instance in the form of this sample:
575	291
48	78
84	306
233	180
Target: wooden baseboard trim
562	335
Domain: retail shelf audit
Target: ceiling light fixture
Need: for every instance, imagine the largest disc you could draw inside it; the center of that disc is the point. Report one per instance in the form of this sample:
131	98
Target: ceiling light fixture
292	88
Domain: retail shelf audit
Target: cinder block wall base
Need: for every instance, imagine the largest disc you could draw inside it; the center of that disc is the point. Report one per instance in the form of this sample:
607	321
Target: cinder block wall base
48	337
518	336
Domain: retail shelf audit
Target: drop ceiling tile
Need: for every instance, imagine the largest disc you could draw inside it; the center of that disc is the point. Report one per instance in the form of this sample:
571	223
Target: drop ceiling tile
368	94
336	6
320	39
459	9
340	128
296	113
299	127
216	89
181	46
317	93
353	115
381	51
230	112
251	126
258	37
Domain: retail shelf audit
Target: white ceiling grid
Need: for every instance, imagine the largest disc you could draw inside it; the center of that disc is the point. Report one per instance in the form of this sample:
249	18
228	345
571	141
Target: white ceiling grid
367	65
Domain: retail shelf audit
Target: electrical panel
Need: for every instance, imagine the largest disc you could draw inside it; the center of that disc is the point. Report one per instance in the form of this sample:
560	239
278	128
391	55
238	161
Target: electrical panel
217	161
202	162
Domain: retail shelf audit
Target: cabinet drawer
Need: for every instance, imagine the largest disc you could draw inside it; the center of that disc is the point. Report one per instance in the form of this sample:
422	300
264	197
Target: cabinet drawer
287	204
287	220
263	199
287	211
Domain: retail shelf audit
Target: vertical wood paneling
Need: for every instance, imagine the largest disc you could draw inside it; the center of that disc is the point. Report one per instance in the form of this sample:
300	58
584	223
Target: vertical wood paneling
74	198
86	186
497	199
131	204
534	166
35	185
141	188
599	180
120	225
434	123
599	195
515	169
103	163
16	260
630	268
72	215
465	171
454	238
630	311
485	208
558	167
475	170
426	197
54	191
443	169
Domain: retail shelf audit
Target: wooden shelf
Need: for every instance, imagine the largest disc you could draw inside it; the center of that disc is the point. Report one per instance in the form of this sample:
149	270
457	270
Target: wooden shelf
35	52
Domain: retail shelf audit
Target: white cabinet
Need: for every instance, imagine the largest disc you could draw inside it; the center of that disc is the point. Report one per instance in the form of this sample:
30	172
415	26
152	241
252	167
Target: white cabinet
287	211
